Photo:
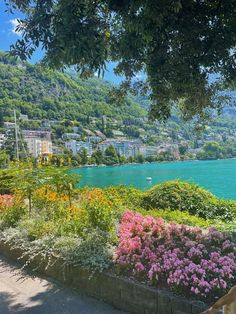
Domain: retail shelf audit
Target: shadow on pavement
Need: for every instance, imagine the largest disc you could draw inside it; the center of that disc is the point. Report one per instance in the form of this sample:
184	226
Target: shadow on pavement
23	292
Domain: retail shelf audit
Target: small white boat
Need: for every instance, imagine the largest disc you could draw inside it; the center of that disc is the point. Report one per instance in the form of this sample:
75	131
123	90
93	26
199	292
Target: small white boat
149	179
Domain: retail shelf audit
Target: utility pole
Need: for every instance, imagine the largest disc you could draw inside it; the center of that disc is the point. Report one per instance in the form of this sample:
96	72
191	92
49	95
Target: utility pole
16	135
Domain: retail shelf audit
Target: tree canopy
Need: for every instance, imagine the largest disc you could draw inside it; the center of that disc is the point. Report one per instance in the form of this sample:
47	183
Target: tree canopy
177	44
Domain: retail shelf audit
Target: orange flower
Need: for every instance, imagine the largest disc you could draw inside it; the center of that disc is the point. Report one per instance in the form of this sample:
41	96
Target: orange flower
49	195
96	195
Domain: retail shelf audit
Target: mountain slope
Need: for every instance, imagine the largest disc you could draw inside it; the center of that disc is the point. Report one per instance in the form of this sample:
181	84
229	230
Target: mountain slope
45	94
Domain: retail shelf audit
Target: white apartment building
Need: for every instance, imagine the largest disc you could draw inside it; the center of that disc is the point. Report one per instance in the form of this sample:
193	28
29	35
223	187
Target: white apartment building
70	136
75	147
93	139
34	146
148	151
24	117
9	125
125	148
57	150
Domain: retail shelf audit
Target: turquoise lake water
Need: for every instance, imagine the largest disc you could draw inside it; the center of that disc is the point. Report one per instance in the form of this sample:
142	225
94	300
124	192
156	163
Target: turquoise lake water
218	176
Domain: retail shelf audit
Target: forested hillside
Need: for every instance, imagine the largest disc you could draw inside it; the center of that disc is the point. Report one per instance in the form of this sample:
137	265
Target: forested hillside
44	94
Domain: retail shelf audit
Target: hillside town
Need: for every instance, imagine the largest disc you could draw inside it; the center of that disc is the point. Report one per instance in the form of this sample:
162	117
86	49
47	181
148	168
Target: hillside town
43	141
39	143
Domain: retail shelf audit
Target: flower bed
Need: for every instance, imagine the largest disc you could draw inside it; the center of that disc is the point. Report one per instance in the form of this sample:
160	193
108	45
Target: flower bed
51	218
120	292
188	260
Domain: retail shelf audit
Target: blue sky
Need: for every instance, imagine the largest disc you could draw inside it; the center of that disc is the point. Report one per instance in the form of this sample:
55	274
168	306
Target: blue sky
8	36
7	33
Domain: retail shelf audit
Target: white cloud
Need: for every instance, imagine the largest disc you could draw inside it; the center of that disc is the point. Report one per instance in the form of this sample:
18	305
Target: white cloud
139	76
14	24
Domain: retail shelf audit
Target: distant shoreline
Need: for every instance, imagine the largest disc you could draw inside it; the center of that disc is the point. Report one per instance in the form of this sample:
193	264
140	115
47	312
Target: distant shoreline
147	162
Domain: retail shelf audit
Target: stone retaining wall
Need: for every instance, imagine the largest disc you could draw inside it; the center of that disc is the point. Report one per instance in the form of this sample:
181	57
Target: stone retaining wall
120	292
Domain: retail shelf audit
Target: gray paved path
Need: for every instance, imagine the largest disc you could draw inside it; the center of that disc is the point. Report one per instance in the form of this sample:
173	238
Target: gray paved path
21	292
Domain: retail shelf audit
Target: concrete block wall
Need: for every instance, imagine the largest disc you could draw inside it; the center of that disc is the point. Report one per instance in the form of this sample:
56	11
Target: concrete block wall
120	292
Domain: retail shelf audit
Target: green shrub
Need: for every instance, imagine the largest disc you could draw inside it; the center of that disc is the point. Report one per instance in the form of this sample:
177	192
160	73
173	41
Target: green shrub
99	210
177	216
38	228
185	218
188	197
94	252
75	224
127	197
13	215
93	210
100	216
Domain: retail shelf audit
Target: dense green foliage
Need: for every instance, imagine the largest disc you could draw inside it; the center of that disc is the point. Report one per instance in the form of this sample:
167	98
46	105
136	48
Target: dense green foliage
177	44
43	94
191	198
123	196
214	150
13	215
4	158
111	156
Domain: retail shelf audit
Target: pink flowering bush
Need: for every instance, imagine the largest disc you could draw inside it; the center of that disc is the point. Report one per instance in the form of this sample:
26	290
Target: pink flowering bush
6	201
188	260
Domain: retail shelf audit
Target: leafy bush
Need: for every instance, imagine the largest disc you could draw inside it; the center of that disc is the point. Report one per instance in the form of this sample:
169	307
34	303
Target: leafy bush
127	197
75	224
55	217
178	216
38	228
188	260
99	210
13	215
94	252
49	204
181	217
188	197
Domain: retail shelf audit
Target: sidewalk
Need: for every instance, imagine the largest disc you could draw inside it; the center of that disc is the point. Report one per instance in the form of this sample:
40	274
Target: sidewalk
22	292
